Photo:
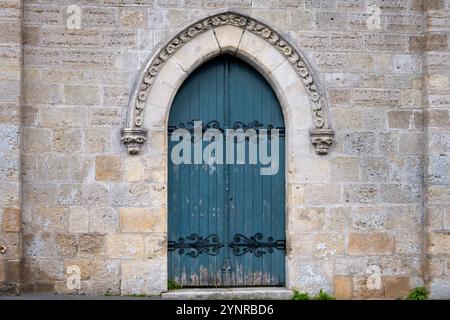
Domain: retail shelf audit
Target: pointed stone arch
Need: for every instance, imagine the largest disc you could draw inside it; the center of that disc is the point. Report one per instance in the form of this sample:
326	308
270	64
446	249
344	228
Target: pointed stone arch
230	32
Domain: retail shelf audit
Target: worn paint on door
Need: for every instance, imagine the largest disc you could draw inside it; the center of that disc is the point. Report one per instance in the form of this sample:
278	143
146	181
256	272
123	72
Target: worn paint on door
226	221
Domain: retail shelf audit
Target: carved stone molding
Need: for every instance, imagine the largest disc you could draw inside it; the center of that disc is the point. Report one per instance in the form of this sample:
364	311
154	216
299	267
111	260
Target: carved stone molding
132	136
133	139
322	139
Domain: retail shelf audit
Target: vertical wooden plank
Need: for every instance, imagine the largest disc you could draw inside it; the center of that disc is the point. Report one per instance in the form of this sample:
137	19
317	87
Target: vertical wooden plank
226	199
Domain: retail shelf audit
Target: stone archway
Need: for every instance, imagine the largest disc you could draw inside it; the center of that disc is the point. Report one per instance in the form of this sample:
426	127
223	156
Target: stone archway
261	46
308	133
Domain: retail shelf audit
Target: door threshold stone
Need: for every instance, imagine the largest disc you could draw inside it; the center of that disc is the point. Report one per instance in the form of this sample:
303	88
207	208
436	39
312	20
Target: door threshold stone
251	293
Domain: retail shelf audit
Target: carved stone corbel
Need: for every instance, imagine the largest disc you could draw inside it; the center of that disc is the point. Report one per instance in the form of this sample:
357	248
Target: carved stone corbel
322	139
133	139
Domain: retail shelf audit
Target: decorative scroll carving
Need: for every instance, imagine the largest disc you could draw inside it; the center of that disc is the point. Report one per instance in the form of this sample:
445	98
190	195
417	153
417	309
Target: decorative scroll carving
243	22
199	245
241	245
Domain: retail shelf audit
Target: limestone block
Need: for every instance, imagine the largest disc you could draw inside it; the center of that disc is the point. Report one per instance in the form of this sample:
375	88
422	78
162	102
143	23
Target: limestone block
119	39
375	169
299	244
331	62
310	275
11	220
42	269
155	246
59	37
148	168
370	244
97	140
147	277
91	245
143	220
328	244
358	143
161	94
401	193
228	38
251	45
268	58
385	42
396	287
296	194
305	219
133	18
67	244
346	169
172	74
103	219
51	218
409	23
115	95
96	194
331	21
438	243
155	116
369	219
41	93
108	168
338	218
362	289
63	116
346	41
343	287
58	167
126	246
360	193
105	116
99	17
67	140
411	142
322	194
78	220
39	245
400	119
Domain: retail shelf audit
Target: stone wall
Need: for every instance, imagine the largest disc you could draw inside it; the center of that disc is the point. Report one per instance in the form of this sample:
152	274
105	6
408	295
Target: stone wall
10	127
359	211
437	110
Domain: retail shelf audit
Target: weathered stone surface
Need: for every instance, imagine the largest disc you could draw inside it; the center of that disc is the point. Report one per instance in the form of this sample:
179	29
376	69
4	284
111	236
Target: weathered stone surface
64	99
144	277
306	219
142	220
108	168
370	244
91	245
343	287
11	220
125	246
396	287
79	220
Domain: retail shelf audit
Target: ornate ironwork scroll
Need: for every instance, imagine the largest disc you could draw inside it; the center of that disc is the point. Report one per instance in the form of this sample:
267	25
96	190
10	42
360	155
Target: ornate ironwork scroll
242	245
198	245
214	124
321	131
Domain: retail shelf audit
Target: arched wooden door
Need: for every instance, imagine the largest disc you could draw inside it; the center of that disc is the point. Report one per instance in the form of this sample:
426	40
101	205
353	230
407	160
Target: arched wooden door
226	221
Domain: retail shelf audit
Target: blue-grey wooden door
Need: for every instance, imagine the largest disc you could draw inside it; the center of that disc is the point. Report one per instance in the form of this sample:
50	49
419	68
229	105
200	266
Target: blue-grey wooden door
226	221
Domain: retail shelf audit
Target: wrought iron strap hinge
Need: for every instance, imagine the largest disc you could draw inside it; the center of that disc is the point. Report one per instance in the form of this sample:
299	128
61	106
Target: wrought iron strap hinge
198	245
241	245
